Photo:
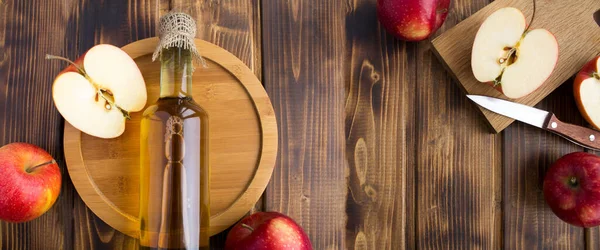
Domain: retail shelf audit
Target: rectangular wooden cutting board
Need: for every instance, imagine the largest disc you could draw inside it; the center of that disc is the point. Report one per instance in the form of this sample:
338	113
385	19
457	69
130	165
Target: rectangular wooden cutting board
571	21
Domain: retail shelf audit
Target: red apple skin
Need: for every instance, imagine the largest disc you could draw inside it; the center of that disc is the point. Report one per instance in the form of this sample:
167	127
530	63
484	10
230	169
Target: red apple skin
496	87
25	196
271	231
412	20
586	72
577	204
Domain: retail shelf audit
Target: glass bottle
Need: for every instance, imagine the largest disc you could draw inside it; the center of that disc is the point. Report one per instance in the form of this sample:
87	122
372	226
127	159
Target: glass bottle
174	176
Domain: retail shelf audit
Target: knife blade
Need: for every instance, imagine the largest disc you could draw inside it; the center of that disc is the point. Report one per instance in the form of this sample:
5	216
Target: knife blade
581	136
532	116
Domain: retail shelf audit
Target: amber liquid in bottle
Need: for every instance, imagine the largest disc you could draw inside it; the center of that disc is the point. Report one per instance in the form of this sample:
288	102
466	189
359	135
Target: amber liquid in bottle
174	175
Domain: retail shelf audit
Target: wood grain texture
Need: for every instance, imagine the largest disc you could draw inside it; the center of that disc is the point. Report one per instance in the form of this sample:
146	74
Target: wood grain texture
592	237
458	161
233	25
380	134
304	74
527	153
92	233
27	113
4	8
118	23
575	47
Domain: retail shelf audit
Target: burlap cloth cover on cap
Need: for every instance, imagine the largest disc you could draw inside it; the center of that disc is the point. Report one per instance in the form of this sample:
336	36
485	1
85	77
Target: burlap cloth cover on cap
178	29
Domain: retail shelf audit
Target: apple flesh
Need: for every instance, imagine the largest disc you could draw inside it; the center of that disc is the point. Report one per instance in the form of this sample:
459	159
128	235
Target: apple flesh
587	92
29	182
412	20
97	92
267	230
510	59
572	189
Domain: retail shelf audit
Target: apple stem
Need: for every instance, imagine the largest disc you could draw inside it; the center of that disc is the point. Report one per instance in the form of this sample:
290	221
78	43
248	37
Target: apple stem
596	75
52	57
532	16
29	170
247	227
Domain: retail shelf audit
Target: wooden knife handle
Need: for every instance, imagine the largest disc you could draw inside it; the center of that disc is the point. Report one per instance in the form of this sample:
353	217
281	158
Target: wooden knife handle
582	136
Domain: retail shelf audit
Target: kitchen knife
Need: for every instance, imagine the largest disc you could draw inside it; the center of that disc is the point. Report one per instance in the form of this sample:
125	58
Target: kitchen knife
581	136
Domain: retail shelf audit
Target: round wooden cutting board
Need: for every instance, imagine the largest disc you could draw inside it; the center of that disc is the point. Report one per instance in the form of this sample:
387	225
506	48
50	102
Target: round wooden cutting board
243	143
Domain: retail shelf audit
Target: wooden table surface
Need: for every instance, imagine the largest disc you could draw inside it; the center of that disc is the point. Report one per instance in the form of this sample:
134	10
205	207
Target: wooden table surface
379	148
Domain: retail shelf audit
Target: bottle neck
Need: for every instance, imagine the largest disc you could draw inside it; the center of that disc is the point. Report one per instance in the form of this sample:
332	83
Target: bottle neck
175	73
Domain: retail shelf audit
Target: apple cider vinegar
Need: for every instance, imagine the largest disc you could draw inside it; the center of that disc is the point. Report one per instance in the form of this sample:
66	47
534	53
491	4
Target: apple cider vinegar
175	172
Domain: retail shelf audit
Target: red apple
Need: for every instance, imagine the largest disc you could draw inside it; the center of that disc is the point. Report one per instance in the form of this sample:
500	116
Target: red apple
29	182
572	189
268	231
412	20
587	92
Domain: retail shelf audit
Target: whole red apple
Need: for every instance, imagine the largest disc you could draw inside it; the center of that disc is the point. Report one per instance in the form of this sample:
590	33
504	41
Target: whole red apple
29	182
572	189
412	20
268	231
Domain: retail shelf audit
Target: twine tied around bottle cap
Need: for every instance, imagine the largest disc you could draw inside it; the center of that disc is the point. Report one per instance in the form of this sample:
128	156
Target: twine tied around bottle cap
177	29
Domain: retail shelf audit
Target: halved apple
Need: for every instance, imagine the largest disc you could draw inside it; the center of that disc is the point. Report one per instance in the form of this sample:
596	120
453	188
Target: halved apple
96	92
587	92
510	59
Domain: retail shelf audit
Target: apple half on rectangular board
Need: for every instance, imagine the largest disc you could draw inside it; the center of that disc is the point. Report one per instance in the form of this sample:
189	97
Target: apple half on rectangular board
510	58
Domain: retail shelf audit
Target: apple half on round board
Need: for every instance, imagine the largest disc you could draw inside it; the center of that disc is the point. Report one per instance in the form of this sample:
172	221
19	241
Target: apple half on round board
97	92
510	58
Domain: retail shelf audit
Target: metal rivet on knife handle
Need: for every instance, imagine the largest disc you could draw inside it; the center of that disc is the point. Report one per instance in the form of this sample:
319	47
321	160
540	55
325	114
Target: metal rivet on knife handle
592	138
554	125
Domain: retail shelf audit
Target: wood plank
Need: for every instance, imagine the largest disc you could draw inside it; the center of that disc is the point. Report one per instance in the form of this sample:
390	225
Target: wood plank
28	114
528	153
380	134
3	64
304	74
92	233
118	23
458	171
592	238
